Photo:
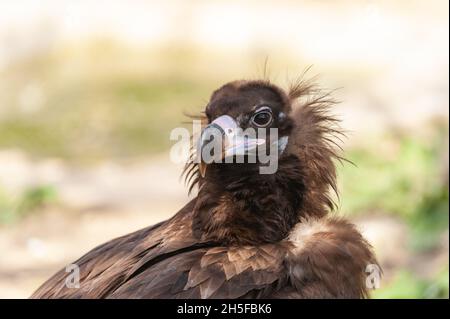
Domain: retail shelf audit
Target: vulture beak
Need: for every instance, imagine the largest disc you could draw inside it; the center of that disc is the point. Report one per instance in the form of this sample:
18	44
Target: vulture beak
221	139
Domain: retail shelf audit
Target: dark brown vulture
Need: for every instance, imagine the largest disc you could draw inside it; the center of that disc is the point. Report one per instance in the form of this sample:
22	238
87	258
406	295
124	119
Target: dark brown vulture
246	234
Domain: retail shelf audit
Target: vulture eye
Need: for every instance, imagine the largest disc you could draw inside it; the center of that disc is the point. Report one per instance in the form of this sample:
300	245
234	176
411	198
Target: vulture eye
262	118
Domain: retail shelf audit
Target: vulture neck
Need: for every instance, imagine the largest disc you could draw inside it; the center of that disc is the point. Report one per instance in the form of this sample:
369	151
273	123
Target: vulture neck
236	205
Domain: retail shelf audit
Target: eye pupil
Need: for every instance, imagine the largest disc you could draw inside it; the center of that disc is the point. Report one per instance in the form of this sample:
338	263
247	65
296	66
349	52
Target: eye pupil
263	118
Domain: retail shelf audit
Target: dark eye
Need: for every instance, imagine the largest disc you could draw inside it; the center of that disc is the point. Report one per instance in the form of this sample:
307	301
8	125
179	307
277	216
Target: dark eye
262	118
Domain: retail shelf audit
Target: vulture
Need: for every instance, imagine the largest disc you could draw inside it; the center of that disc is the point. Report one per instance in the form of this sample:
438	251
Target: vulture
246	234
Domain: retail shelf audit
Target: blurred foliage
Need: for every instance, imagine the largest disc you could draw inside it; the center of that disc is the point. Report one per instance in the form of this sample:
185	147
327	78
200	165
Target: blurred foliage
404	177
407	286
430	219
401	175
29	201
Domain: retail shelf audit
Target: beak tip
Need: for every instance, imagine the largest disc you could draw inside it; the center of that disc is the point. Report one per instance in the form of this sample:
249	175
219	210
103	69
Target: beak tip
202	169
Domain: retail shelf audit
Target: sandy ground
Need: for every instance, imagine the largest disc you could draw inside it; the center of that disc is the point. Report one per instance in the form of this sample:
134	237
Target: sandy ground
109	200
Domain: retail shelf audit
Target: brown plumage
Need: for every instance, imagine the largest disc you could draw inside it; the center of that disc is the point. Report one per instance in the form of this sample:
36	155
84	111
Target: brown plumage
245	235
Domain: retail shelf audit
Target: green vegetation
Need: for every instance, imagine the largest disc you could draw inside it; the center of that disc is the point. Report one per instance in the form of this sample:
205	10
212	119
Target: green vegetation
29	201
407	286
408	180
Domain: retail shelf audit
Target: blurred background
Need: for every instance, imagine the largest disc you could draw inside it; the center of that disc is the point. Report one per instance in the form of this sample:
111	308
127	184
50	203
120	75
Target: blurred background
90	90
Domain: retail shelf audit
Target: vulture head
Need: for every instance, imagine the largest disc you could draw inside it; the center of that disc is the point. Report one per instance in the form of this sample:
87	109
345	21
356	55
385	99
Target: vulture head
263	161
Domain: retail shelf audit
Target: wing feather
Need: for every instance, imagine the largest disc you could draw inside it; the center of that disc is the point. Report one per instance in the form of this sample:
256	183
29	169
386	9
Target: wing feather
219	276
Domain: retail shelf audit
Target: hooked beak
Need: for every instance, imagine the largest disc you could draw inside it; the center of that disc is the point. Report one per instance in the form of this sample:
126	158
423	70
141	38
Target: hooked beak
221	139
